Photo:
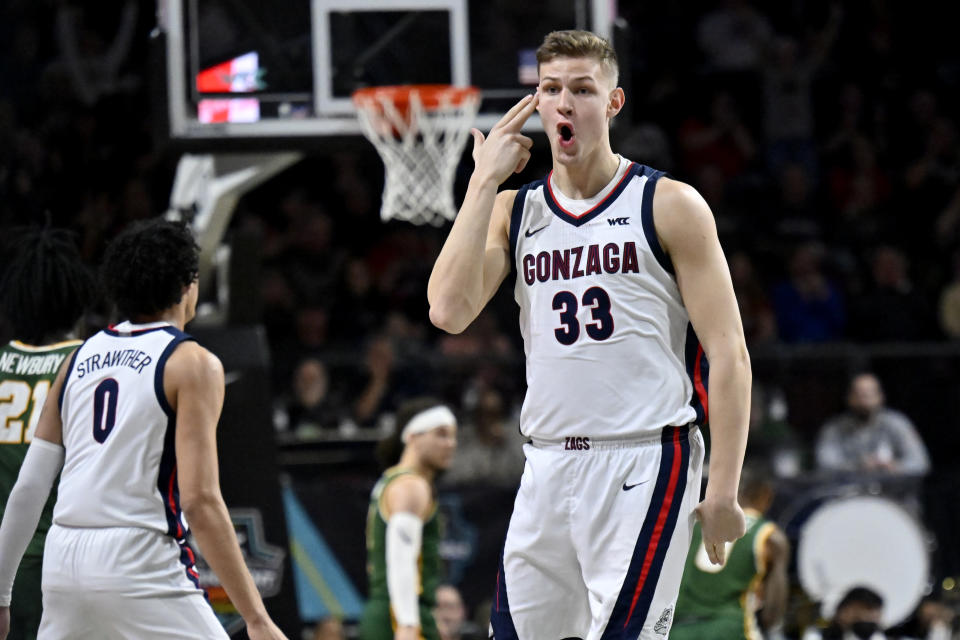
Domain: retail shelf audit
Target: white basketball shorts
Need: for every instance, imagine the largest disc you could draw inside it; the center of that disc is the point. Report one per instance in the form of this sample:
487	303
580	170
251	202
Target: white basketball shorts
598	538
121	583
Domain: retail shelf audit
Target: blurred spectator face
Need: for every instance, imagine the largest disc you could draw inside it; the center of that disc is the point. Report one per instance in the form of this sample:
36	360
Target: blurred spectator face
712	184
889	268
310	383
357	277
786	49
380	355
741	269
805	262
923	106
312	327
794	185
449	613
489	413
866	396
860	618
328	629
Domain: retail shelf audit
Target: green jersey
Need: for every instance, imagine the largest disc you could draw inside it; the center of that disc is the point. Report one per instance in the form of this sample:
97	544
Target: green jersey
26	373
720	602
377	618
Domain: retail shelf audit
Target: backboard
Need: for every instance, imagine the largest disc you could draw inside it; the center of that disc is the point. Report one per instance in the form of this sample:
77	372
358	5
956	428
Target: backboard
281	73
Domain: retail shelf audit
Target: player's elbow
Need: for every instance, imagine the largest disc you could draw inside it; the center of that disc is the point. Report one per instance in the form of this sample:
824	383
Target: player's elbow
198	505
446	317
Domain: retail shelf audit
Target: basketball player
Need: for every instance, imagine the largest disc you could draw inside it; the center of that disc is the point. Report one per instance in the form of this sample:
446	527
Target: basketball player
43	293
618	274
403	530
721	603
131	419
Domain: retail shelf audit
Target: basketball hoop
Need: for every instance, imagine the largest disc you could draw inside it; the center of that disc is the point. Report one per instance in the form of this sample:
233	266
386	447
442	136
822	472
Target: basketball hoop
419	132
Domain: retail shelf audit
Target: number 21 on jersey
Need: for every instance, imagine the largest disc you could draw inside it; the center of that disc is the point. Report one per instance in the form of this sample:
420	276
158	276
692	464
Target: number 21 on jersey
15	399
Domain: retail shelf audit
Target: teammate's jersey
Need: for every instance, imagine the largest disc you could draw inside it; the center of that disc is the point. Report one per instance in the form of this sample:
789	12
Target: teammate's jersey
429	564
609	347
26	373
710	593
118	432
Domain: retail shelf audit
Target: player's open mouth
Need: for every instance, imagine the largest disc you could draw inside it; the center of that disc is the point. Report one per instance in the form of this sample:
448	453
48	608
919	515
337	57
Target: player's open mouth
566	136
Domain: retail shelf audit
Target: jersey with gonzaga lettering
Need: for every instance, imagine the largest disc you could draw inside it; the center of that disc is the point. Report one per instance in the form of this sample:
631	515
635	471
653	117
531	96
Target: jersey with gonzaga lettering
118	432
609	347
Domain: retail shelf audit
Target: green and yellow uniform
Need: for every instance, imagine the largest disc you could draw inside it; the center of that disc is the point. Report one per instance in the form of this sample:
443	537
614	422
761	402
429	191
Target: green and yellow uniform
26	373
720	602
378	622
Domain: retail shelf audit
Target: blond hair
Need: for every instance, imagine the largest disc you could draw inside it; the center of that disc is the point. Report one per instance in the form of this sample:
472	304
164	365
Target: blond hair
579	44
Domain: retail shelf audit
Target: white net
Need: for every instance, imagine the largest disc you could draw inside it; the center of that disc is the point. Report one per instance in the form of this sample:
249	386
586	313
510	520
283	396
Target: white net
420	147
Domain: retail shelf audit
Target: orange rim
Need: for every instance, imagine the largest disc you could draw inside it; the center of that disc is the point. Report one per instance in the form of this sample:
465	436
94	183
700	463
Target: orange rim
432	96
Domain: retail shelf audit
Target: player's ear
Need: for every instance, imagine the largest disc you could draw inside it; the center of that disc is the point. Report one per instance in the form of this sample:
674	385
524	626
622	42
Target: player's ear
615	102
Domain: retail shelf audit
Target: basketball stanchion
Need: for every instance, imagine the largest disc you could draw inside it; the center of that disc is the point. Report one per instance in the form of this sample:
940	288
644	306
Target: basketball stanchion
419	132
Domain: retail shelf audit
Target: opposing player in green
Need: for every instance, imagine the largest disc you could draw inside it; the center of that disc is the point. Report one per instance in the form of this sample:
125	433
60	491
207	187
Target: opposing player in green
403	529
44	290
722	602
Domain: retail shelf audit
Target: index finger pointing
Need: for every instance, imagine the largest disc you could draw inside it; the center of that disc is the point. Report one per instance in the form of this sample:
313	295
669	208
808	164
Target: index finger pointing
523	114
514	110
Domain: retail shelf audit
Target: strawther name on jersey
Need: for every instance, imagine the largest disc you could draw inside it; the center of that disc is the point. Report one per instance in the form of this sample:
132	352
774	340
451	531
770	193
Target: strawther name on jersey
132	358
24	365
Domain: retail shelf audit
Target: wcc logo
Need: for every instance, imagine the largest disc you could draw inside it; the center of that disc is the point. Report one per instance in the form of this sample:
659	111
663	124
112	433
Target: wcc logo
613	222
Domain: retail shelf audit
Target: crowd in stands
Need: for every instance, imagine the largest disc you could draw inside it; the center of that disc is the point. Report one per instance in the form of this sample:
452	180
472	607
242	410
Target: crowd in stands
824	136
829	155
830	158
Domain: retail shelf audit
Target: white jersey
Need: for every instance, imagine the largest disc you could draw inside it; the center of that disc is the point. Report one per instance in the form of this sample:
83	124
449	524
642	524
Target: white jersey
610	352
118	432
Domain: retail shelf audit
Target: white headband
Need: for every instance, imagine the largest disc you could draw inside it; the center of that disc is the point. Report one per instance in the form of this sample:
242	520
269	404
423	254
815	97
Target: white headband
428	420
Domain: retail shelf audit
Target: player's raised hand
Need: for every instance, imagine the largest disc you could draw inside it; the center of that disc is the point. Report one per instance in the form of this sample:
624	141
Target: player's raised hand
504	150
721	521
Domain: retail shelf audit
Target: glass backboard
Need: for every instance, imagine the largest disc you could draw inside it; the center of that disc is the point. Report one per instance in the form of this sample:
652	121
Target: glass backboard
258	70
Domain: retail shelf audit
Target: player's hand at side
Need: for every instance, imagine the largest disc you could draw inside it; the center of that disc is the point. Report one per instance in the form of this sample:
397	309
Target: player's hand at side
406	632
265	630
721	521
504	150
4	622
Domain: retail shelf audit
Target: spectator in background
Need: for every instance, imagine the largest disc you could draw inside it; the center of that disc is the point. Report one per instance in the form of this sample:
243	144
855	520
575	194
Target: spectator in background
376	394
733	37
311	411
329	628
809	308
490	449
857	617
449	612
859	191
721	139
359	308
759	321
892	310
950	302
870	437
771	437
788	96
